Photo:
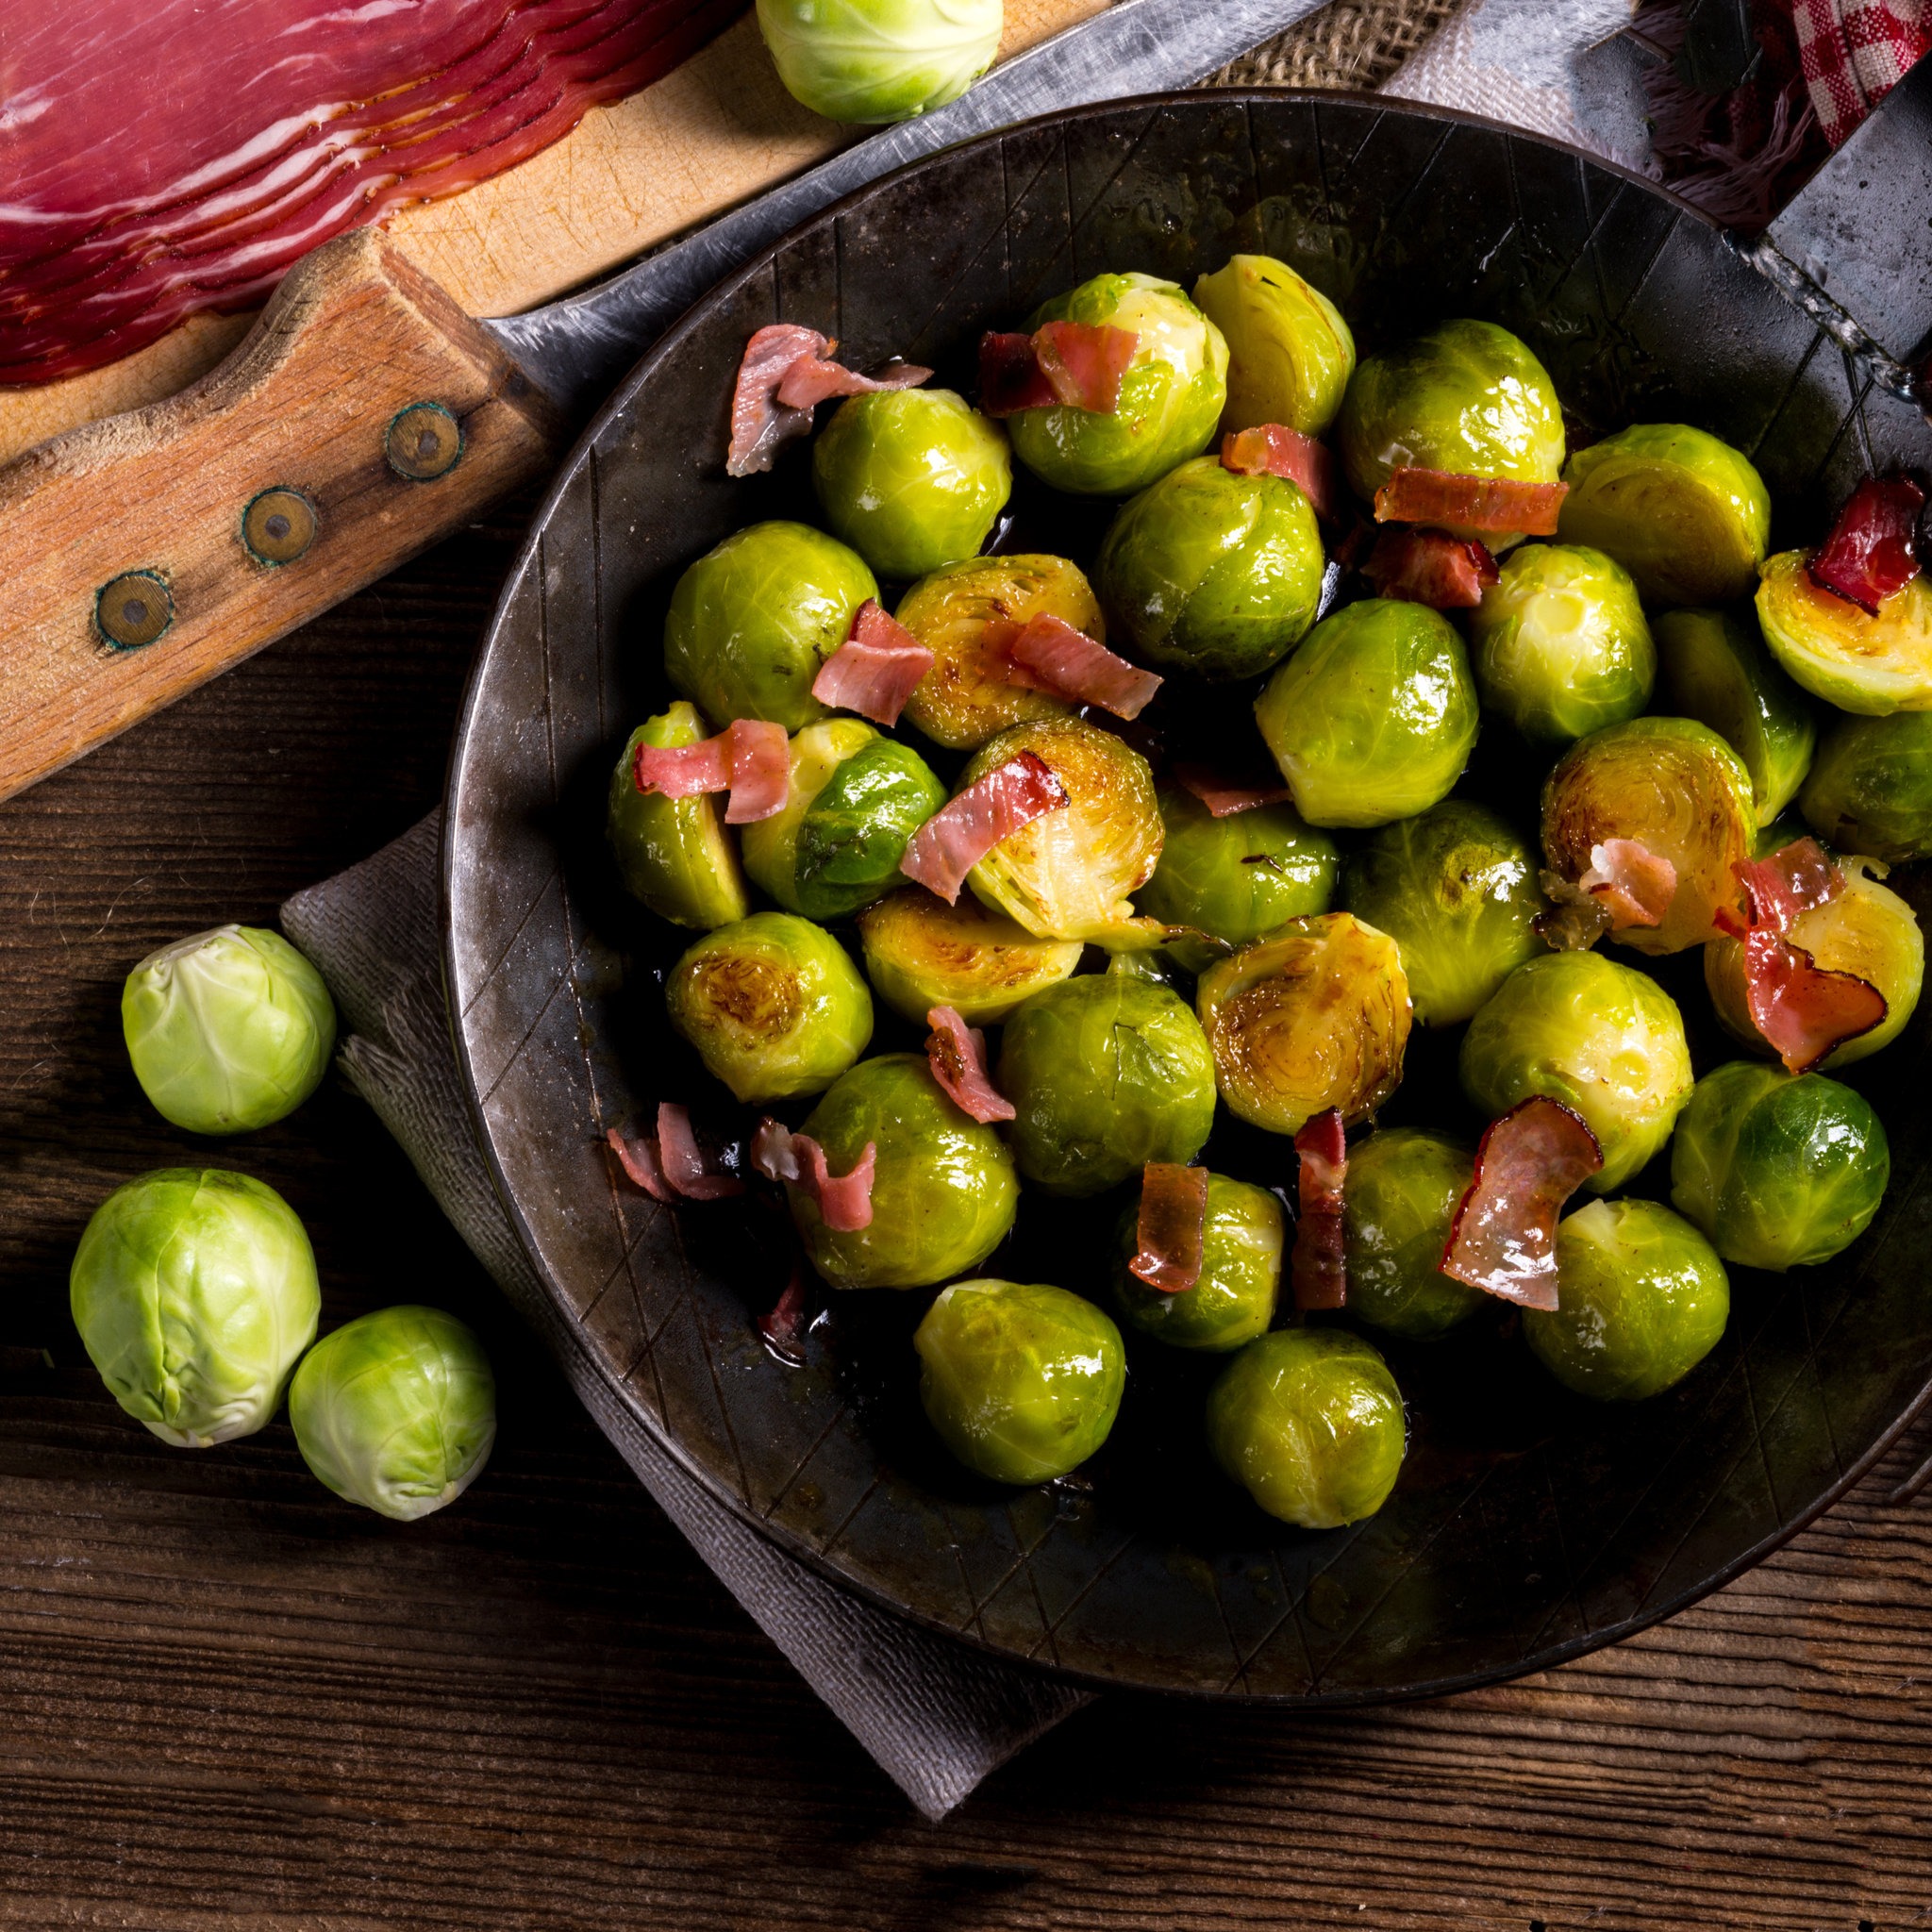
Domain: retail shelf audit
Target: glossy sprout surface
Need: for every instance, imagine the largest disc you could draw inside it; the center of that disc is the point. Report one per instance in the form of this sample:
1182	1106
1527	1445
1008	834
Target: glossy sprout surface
1866	664
1290	354
1242	1239
874	60
675	855
1399	1202
921	953
1869	788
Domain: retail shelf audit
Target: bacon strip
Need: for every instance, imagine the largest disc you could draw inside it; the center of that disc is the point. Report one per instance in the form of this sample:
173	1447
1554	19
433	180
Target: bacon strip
1010	377
786	368
844	1201
1872	553
1473	503
876	670
1319	1267
751	759
1273	449
1076	364
683	771
1634	885
957	1054
957	836
814	378
1430	567
1067	663
1170	1229
670	1164
783	1325
1223	797
1791	880
638	1159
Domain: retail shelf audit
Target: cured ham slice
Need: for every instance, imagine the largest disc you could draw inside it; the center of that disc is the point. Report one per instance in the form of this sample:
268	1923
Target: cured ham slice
784	1323
670	1164
1430	567
1872	553
957	836
751	759
1172	1228
814	379
1793	879
876	670
1273	449
843	1201
1068	663
1633	884
1503	1236
1075	364
684	771
1804	1010
1010	377
1319	1267
638	1159
785	371
1223	797
957	1054
1472	502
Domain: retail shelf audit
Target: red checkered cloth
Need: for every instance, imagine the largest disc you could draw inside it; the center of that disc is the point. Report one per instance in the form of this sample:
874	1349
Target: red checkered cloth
1852	52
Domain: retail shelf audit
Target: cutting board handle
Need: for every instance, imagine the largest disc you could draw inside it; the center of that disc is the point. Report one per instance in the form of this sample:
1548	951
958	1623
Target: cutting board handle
364	416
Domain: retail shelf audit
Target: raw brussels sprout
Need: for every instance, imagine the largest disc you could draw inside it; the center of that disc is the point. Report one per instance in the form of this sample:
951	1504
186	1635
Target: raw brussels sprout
1455	888
1106	1072
921	953
751	622
228	1030
195	1292
1643	1299
1716	670
773	1005
944	1192
869	61
1399	1201
1685	514
1605	1039
396	1411
854	799
1169	401
1241	1273
911	478
674	854
1559	645
1779	1170
1310	1421
1022	1382
1374	718
1677	789
1290	354
1871	665
1869	788
1210	571
1314	1016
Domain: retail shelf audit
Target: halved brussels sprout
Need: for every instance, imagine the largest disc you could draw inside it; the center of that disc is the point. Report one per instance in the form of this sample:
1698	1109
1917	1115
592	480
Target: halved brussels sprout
1310	1421
1314	1016
1399	1201
1779	1170
1605	1039
1455	888
1642	1299
1686	515
1106	1072
1233	1301
911	478
943	1191
921	953
1374	718
674	854
1170	400
1022	1381
773	1005
751	622
1716	670
1290	354
1676	788
1871	665
1870	787
870	60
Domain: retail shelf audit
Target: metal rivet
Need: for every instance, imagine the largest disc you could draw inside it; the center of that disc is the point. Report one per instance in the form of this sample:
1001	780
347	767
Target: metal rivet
278	524
423	442
133	609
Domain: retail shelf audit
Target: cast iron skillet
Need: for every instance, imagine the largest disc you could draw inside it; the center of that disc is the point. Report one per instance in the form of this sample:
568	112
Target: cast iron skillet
1527	1526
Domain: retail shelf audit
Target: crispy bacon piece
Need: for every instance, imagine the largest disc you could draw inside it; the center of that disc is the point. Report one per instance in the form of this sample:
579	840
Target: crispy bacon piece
876	670
957	1054
1010	377
1078	364
670	1164
1472	502
1056	657
1273	449
1430	567
1223	797
783	1325
785	371
1805	1011
957	836
1503	1236
844	1201
1792	881
1320	1266
638	1159
1633	884
1872	553
1172	1228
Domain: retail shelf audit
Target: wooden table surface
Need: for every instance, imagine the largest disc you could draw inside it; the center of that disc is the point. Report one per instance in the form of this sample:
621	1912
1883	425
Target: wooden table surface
228	1700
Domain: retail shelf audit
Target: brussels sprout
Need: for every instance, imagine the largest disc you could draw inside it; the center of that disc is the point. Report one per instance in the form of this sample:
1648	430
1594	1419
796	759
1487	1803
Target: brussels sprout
1716	670
1170	400
1778	1170
1643	1299
1605	1039
1871	665
967	615
1685	514
228	1030
1020	1382
911	478
1290	354
1314	1016
1374	718
921	953
1106	1072
195	1292
674	854
1457	890
751	622
1559	645
1310	1421
944	1192
869	61
773	1005
1399	1201
1676	788
1241	1273
854	799
1210	571
1869	788
396	1411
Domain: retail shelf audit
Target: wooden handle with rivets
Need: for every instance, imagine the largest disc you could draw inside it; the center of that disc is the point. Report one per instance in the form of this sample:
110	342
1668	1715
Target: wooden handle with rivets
364	416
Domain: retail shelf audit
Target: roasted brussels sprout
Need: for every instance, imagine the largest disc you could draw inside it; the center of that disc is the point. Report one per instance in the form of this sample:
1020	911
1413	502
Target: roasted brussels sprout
921	953
1685	514
1455	888
1676	788
1170	400
396	1411
1399	1201
1310	1421
228	1030
1871	665
1778	1170
751	622
870	60
1290	354
911	478
1314	1016
773	1005
674	854
195	1292
943	1191
1869	788
1241	1273
1642	1299
1374	718
1605	1039
1106	1073
1022	1382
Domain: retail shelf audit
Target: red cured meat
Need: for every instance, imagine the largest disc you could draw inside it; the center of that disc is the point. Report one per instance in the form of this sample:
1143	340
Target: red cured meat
843	1201
683	771
784	1323
1273	449
1319	1264
1633	884
1076	364
638	1159
1058	659
1792	881
682	1160
957	836
785	371
761	770
1171	1229
1010	377
1805	1011
1872	553
876	670
1430	567
812	379
1475	503
957	1054
1223	797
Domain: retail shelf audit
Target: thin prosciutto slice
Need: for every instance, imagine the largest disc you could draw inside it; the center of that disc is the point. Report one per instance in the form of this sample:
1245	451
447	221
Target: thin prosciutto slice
1273	449
785	371
783	1325
670	1164
1633	884
957	836
1793	879
1171	1227
1872	553
876	670
1058	659
1075	364
843	1200
1225	797
1430	567
957	1054
1319	1267
1472	502
750	759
